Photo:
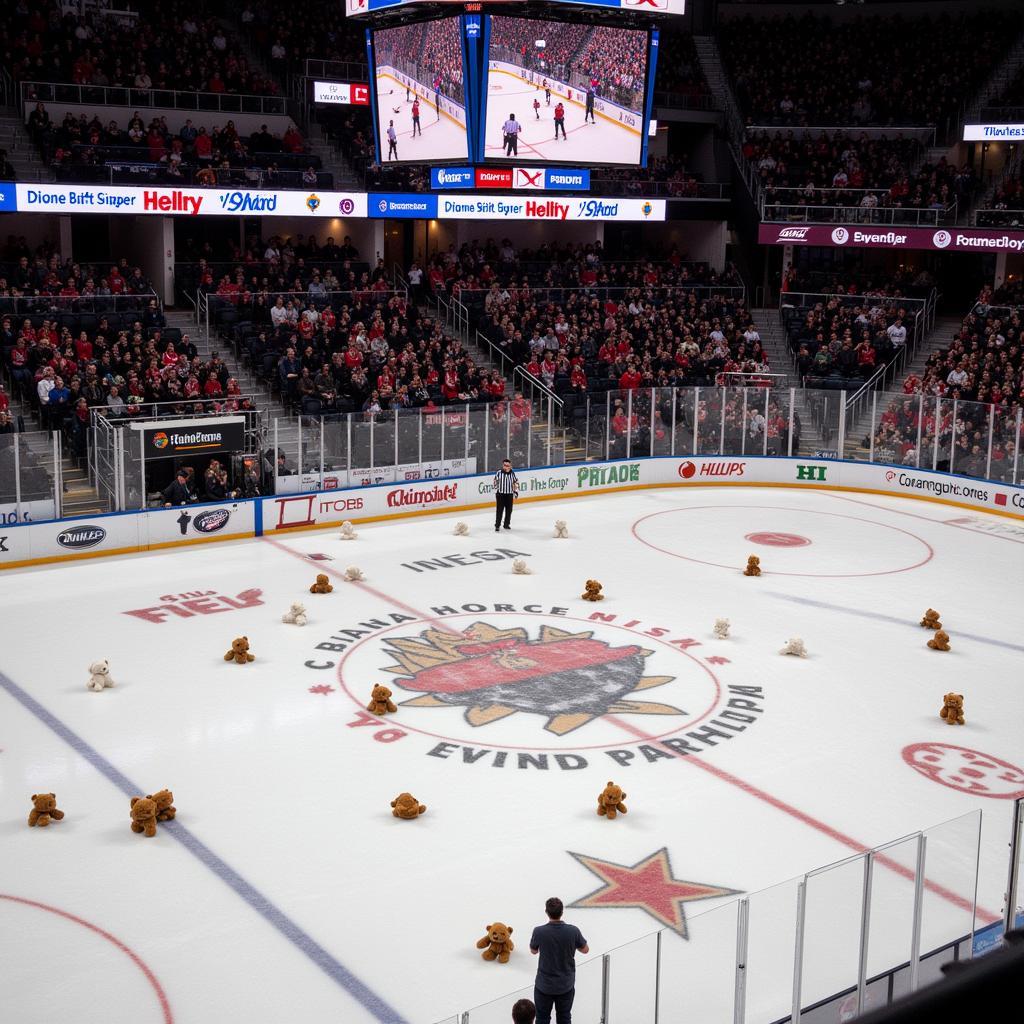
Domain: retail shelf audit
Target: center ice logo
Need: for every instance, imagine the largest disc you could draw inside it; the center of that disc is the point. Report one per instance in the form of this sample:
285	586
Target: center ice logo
570	678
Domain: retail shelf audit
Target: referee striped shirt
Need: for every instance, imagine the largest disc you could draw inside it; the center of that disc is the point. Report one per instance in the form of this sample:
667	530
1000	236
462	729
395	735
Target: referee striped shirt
505	483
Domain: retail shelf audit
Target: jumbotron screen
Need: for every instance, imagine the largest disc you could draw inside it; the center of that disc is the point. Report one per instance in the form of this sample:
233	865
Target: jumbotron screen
420	94
565	92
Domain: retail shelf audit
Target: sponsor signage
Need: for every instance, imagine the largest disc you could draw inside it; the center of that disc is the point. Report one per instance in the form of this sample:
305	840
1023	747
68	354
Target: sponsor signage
342	93
1003	131
172	438
8	196
569	178
451	177
955	239
493	177
465	207
375	494
76	538
525	178
183	202
400	206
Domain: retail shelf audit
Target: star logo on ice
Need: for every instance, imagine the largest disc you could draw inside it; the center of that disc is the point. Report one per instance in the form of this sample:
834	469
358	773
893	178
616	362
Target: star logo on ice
322	688
570	678
648	885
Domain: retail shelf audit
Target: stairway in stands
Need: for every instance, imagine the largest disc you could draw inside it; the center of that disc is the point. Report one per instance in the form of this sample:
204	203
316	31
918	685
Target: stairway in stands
21	150
780	360
938	337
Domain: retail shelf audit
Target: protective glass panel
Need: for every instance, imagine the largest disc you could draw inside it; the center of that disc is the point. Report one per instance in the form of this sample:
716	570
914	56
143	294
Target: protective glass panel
698	975
383	438
770	946
777	419
335	435
819	436
711	410
973	434
1004	431
633	981
284	460
895	429
832	928
951	861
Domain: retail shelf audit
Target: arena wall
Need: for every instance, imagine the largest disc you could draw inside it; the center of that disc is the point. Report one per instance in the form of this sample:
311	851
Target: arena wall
119	533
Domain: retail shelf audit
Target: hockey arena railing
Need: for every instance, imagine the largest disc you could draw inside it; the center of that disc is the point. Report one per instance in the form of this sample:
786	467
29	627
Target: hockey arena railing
878	215
970	440
97	96
842	939
54	306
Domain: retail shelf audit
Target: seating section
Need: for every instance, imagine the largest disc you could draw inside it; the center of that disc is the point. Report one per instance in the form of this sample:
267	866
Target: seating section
798	169
965	403
840	333
76	337
1006	207
163	45
85	149
872	69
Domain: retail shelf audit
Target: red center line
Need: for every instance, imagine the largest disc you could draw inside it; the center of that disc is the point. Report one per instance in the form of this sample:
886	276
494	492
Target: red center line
773	801
986	916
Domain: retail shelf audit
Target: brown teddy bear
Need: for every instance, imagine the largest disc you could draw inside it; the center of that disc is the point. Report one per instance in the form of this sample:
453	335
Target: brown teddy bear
939	642
322	585
931	619
239	652
593	591
164	800
953	709
497	943
609	802
380	701
144	815
405	805
44	810
753	566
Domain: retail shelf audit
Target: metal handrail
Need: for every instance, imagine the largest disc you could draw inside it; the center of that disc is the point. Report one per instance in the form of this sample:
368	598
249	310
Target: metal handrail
923	132
176	99
857	215
99	305
533	384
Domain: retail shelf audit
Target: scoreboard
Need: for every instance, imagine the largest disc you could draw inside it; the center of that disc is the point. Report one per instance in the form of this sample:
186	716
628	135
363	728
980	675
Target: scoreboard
354	8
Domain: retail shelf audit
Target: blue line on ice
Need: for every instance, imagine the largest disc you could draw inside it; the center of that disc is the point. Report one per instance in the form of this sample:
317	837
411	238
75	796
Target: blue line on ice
227	874
881	617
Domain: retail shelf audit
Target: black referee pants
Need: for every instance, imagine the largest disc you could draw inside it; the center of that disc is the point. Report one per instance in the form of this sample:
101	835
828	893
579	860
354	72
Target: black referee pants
502	504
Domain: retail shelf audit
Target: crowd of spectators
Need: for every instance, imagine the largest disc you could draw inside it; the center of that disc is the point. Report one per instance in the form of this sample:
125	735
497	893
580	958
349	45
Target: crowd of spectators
874	69
982	370
615	61
287	36
429	51
517	36
840	340
1006	207
165	46
83	148
816	169
62	361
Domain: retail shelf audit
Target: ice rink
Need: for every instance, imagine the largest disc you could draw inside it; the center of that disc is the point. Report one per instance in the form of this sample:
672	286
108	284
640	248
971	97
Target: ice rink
287	891
443	137
601	142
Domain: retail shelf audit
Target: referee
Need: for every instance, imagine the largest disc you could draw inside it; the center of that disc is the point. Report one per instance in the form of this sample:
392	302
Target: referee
506	490
511	129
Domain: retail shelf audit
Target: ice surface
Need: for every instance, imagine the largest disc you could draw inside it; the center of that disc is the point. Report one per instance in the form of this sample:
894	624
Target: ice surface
294	894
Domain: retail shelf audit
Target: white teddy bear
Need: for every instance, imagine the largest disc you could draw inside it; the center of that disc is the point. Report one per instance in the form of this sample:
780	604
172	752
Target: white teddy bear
520	568
795	646
353	574
296	615
461	530
561	530
348	531
722	629
99	677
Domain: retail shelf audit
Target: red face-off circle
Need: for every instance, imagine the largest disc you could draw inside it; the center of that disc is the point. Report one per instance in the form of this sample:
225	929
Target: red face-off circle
778	540
969	771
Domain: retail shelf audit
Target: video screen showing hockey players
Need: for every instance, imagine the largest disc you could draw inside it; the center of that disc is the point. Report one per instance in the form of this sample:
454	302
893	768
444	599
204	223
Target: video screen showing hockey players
563	92
421	95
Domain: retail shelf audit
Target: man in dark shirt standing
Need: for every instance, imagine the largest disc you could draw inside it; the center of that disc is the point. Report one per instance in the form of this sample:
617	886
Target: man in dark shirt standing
557	943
